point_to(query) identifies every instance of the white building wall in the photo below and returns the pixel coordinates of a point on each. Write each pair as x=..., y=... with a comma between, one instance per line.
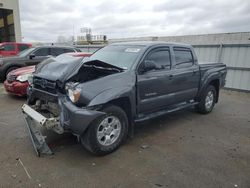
x=14, y=5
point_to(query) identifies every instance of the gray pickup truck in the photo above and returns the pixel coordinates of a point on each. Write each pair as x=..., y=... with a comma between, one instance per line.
x=99, y=99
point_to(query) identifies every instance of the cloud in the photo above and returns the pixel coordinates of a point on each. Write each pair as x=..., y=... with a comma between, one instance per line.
x=45, y=20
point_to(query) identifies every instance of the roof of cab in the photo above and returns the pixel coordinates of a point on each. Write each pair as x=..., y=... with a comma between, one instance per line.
x=152, y=43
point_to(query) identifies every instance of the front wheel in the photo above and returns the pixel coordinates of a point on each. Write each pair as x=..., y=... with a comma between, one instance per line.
x=107, y=133
x=207, y=101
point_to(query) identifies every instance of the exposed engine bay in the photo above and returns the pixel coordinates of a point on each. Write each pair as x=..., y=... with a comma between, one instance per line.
x=93, y=70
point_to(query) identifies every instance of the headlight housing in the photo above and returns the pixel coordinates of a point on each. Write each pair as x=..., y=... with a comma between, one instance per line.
x=30, y=79
x=73, y=91
x=74, y=94
x=23, y=78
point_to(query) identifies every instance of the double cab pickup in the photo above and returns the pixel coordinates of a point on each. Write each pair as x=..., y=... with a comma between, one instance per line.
x=99, y=99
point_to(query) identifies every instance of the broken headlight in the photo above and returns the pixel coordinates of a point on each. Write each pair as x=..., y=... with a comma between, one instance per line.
x=73, y=92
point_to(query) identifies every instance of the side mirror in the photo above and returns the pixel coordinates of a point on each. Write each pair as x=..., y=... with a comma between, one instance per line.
x=149, y=65
x=1, y=47
x=31, y=56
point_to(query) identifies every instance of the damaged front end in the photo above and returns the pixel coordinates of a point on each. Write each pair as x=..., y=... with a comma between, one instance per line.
x=63, y=103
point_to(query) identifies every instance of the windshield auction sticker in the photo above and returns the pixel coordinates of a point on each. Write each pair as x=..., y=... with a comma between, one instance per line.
x=132, y=50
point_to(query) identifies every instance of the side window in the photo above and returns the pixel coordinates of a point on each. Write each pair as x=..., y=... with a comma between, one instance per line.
x=68, y=50
x=183, y=58
x=161, y=58
x=57, y=51
x=78, y=50
x=9, y=47
x=42, y=52
x=22, y=47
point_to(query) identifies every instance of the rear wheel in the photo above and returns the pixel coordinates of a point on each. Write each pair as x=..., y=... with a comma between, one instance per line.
x=107, y=133
x=207, y=101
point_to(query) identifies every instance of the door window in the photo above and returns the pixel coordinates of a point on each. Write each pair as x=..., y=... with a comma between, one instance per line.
x=68, y=50
x=161, y=58
x=42, y=52
x=183, y=58
x=9, y=47
x=57, y=51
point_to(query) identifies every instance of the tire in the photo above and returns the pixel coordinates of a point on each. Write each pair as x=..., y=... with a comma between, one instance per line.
x=110, y=137
x=9, y=70
x=207, y=101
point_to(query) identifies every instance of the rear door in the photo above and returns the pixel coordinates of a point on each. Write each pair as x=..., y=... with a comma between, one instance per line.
x=154, y=87
x=186, y=75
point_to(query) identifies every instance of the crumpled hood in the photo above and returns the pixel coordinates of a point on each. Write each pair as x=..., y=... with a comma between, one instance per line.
x=56, y=69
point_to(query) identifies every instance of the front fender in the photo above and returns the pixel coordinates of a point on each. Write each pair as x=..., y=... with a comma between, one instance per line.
x=111, y=94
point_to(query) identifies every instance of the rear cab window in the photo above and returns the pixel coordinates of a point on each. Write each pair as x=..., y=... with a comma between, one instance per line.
x=183, y=57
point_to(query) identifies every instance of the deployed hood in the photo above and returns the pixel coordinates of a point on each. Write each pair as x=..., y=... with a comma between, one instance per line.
x=56, y=68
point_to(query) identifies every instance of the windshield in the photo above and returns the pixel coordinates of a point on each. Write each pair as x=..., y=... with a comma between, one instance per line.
x=26, y=52
x=121, y=56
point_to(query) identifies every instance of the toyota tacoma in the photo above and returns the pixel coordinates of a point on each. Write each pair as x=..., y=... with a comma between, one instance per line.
x=99, y=99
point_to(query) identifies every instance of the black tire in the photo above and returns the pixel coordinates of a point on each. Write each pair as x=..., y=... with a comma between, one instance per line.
x=201, y=107
x=9, y=70
x=90, y=140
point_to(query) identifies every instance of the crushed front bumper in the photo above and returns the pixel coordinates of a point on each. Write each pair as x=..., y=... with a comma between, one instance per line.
x=35, y=122
x=72, y=118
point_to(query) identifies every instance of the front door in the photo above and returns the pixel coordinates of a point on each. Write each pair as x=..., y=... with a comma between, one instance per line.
x=154, y=87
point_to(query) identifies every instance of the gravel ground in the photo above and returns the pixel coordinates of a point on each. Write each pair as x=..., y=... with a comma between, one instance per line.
x=182, y=149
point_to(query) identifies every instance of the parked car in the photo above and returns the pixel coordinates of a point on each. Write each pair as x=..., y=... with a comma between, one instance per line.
x=12, y=48
x=17, y=80
x=100, y=99
x=31, y=56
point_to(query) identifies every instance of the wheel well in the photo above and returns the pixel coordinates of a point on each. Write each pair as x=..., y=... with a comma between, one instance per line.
x=8, y=68
x=216, y=84
x=125, y=104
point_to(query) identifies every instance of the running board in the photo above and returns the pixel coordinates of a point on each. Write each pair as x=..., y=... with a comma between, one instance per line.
x=145, y=117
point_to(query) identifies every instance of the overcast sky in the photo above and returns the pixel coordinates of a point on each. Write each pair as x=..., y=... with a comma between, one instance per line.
x=45, y=20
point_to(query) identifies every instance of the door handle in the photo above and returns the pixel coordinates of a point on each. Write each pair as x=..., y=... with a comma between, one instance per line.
x=194, y=71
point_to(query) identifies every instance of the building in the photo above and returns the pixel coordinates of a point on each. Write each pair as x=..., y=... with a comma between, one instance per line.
x=10, y=27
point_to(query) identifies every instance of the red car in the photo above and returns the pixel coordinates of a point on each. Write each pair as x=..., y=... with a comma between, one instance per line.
x=12, y=48
x=17, y=80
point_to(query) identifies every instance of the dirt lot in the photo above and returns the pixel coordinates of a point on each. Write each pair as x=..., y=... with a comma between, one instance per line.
x=183, y=149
